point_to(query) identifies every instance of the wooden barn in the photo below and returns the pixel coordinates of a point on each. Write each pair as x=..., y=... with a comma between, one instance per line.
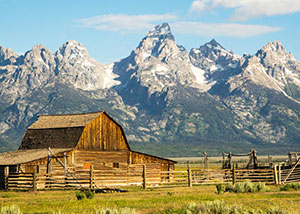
x=74, y=151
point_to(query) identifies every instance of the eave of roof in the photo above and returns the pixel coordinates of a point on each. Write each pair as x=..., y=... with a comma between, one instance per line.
x=154, y=156
x=25, y=156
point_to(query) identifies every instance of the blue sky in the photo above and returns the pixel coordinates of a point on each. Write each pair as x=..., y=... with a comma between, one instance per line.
x=110, y=30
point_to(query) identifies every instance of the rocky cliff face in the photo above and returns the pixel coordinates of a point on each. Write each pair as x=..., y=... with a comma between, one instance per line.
x=208, y=99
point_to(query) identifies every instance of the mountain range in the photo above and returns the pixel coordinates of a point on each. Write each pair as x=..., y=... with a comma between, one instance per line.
x=170, y=101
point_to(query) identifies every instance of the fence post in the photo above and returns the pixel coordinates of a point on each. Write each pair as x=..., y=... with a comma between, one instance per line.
x=6, y=173
x=230, y=160
x=34, y=185
x=189, y=176
x=223, y=163
x=279, y=174
x=144, y=177
x=275, y=174
x=270, y=160
x=290, y=159
x=91, y=176
x=233, y=175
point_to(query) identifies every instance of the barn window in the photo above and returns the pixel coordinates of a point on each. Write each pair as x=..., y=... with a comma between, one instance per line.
x=87, y=165
x=116, y=165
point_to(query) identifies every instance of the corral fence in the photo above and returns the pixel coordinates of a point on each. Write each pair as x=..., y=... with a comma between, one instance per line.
x=91, y=178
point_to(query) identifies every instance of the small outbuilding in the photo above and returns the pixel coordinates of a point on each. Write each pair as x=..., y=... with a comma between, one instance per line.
x=63, y=150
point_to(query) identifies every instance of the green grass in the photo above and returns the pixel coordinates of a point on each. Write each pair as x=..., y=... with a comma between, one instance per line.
x=291, y=186
x=148, y=201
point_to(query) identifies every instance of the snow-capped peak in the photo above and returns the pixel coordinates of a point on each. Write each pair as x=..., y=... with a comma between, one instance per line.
x=162, y=31
x=274, y=46
x=72, y=50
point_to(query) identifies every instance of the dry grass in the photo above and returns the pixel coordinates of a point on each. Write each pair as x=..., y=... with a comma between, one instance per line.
x=146, y=201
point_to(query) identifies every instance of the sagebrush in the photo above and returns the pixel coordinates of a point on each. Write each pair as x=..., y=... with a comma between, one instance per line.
x=246, y=187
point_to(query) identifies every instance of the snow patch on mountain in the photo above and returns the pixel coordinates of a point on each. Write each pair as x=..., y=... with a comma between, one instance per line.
x=109, y=77
x=199, y=74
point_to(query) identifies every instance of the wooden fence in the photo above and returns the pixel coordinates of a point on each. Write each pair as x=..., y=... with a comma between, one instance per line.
x=90, y=178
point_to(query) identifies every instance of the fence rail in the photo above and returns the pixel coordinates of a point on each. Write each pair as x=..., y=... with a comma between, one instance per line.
x=145, y=178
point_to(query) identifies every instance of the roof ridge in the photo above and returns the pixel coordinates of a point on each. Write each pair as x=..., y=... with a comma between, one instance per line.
x=46, y=115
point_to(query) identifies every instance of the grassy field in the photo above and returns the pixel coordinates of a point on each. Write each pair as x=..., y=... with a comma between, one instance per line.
x=147, y=201
x=158, y=200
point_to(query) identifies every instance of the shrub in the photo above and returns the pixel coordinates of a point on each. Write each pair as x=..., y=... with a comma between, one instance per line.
x=80, y=195
x=229, y=187
x=84, y=194
x=125, y=210
x=219, y=207
x=13, y=209
x=246, y=187
x=277, y=210
x=89, y=194
x=220, y=188
x=170, y=193
x=291, y=186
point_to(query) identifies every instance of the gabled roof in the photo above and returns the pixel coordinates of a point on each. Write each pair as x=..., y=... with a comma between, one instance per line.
x=60, y=131
x=64, y=121
x=25, y=156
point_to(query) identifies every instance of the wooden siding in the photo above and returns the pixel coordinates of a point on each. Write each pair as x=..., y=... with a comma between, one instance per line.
x=101, y=160
x=102, y=134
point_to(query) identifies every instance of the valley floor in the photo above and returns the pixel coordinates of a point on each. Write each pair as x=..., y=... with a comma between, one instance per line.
x=147, y=201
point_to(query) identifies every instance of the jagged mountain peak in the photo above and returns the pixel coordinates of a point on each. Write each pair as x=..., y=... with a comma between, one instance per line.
x=39, y=54
x=72, y=50
x=159, y=43
x=212, y=57
x=73, y=44
x=275, y=46
x=274, y=53
x=214, y=44
x=7, y=56
x=6, y=51
x=162, y=31
x=38, y=47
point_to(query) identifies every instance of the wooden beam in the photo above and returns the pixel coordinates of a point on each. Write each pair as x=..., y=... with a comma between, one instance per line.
x=233, y=175
x=6, y=173
x=189, y=176
x=91, y=177
x=144, y=177
x=34, y=175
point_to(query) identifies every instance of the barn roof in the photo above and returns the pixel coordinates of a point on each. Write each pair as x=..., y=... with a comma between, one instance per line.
x=64, y=121
x=25, y=156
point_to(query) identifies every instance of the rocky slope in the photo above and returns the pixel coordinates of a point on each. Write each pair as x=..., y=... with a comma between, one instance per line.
x=170, y=101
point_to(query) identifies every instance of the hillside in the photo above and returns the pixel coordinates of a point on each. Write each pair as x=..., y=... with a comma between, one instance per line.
x=170, y=101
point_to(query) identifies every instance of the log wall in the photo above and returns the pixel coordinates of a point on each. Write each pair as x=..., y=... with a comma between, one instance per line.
x=102, y=134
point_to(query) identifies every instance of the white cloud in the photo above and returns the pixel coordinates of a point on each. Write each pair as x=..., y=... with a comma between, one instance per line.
x=139, y=23
x=221, y=29
x=247, y=9
x=125, y=23
x=200, y=5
